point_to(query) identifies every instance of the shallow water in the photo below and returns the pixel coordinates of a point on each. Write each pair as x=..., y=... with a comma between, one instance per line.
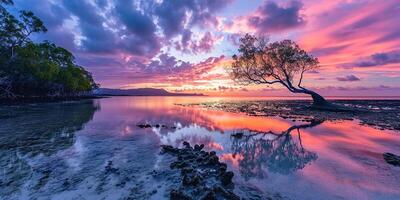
x=94, y=150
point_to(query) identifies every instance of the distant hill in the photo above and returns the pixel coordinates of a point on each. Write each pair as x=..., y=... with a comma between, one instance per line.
x=140, y=92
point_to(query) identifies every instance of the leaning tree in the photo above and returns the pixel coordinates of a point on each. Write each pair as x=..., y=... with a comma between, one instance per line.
x=283, y=62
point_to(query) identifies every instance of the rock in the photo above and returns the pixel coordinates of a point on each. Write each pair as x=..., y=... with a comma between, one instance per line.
x=213, y=160
x=169, y=148
x=150, y=126
x=209, y=196
x=187, y=170
x=178, y=195
x=110, y=169
x=201, y=172
x=191, y=180
x=186, y=145
x=223, y=167
x=144, y=125
x=226, y=178
x=189, y=156
x=227, y=194
x=392, y=159
x=178, y=164
x=198, y=147
x=237, y=135
x=199, y=159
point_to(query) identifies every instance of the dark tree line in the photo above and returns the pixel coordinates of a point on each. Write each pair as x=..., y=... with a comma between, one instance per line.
x=29, y=69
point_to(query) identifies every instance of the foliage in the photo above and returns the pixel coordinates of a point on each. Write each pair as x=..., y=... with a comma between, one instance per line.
x=282, y=62
x=28, y=69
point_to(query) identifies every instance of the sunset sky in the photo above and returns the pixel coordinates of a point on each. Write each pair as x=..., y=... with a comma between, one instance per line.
x=185, y=45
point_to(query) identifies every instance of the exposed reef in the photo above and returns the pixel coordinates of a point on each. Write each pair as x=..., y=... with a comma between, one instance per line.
x=380, y=114
x=203, y=176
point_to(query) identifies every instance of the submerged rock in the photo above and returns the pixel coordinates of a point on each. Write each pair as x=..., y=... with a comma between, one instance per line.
x=392, y=159
x=109, y=169
x=203, y=176
x=169, y=149
x=178, y=195
x=198, y=147
x=237, y=135
x=226, y=178
x=210, y=196
x=146, y=125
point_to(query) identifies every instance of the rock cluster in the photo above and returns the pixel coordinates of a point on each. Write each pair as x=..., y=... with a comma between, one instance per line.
x=110, y=169
x=392, y=159
x=374, y=113
x=146, y=125
x=203, y=176
x=237, y=135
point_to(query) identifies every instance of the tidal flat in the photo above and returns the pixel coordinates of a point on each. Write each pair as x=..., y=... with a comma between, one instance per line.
x=277, y=149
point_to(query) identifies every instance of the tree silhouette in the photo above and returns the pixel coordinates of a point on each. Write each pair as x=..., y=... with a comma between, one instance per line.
x=284, y=62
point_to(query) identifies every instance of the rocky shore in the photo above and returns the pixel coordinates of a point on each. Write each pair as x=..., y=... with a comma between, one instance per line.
x=380, y=114
x=202, y=175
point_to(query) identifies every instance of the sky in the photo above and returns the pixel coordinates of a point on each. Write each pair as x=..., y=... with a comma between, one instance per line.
x=187, y=45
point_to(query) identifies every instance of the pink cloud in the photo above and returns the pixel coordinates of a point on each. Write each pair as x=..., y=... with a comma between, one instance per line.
x=270, y=17
x=348, y=31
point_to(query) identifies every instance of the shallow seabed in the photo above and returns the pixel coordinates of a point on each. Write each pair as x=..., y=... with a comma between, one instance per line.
x=94, y=149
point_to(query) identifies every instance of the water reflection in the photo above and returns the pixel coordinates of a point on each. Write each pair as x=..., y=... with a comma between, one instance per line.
x=37, y=131
x=280, y=153
x=63, y=151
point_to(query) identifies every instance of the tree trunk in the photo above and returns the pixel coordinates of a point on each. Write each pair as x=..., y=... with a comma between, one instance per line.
x=318, y=101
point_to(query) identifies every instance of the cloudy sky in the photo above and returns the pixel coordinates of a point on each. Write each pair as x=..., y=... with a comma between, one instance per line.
x=186, y=45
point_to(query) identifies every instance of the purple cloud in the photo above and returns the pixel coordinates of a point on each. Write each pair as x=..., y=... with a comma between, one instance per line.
x=379, y=59
x=273, y=17
x=348, y=78
x=189, y=45
x=126, y=26
x=323, y=51
x=173, y=15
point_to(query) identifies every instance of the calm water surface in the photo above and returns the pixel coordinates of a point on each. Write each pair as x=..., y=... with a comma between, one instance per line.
x=63, y=151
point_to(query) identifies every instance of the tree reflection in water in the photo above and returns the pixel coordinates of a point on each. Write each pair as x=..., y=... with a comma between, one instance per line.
x=37, y=130
x=279, y=153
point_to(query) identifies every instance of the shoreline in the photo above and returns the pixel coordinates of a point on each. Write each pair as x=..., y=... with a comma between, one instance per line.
x=173, y=95
x=30, y=100
x=379, y=114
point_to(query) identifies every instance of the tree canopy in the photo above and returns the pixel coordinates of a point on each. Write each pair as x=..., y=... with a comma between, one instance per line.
x=281, y=62
x=29, y=69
